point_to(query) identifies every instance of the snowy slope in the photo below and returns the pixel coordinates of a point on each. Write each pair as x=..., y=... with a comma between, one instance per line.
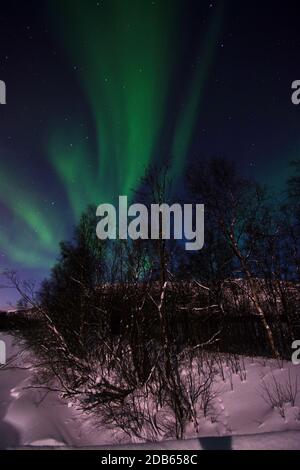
x=288, y=440
x=240, y=418
x=35, y=417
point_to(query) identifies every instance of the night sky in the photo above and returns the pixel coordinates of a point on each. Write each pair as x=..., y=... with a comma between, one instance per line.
x=96, y=90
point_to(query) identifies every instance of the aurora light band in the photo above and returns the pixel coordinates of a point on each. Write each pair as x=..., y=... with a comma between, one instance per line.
x=128, y=55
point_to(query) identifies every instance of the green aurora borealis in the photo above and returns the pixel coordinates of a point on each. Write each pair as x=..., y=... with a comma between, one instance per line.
x=128, y=55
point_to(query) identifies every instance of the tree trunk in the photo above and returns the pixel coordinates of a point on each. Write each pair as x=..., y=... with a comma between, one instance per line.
x=254, y=297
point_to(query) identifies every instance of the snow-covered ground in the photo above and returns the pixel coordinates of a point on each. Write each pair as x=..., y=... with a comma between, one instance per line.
x=36, y=417
x=240, y=416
